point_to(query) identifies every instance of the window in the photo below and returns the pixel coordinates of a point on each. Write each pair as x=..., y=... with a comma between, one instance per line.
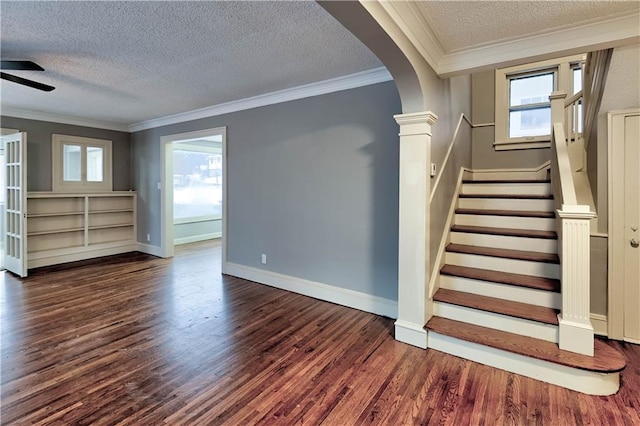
x=523, y=110
x=529, y=105
x=197, y=182
x=81, y=164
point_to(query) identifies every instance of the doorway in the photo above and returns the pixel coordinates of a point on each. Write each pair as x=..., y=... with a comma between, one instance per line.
x=3, y=132
x=624, y=225
x=194, y=182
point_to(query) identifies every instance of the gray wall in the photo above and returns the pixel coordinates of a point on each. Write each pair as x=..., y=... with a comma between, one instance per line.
x=484, y=156
x=39, y=150
x=312, y=183
x=455, y=99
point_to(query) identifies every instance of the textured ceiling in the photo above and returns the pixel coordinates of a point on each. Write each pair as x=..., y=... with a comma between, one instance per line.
x=126, y=62
x=462, y=25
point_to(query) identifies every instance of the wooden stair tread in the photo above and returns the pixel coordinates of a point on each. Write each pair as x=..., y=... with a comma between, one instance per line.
x=605, y=360
x=498, y=306
x=509, y=232
x=507, y=181
x=517, y=213
x=510, y=196
x=520, y=280
x=504, y=253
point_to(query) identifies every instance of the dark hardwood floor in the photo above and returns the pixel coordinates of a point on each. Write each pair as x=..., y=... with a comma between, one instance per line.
x=137, y=340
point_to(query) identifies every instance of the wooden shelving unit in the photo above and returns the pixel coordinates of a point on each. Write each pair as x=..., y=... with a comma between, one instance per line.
x=64, y=227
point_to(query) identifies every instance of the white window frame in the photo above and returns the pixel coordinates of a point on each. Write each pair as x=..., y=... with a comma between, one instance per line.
x=82, y=186
x=563, y=80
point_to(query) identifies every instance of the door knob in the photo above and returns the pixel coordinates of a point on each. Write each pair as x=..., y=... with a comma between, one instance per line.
x=634, y=243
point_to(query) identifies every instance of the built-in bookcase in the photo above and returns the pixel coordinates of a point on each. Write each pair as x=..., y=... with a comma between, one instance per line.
x=63, y=227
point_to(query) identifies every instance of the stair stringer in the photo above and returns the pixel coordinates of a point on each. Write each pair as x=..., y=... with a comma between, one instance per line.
x=446, y=237
x=589, y=382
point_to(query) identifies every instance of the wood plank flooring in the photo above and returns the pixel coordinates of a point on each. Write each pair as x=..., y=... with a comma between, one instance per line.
x=137, y=340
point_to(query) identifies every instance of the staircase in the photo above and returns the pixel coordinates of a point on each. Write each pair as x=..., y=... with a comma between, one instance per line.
x=499, y=292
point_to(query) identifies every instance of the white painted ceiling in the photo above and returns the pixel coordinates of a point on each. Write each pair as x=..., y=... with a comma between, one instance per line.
x=126, y=62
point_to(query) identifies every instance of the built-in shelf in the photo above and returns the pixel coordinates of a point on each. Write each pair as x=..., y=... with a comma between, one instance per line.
x=55, y=231
x=68, y=227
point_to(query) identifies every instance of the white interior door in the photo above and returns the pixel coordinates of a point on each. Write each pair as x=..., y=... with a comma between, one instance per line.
x=632, y=229
x=15, y=237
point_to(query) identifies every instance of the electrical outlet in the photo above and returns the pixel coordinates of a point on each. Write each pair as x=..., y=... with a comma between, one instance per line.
x=264, y=259
x=159, y=185
x=433, y=169
x=148, y=237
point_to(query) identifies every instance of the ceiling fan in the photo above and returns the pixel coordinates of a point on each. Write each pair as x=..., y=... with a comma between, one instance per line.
x=23, y=66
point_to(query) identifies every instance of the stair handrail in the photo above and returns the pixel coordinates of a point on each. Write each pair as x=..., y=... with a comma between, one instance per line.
x=561, y=172
x=594, y=79
x=573, y=228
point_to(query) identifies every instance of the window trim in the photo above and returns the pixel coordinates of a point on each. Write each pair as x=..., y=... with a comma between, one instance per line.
x=82, y=186
x=562, y=68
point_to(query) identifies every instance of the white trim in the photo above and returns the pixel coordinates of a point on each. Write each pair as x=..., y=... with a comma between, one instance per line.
x=63, y=119
x=507, y=323
x=351, y=81
x=592, y=383
x=599, y=323
x=166, y=183
x=196, y=219
x=341, y=296
x=613, y=32
x=80, y=255
x=446, y=238
x=152, y=250
x=509, y=172
x=615, y=203
x=411, y=334
x=83, y=185
x=196, y=238
x=483, y=125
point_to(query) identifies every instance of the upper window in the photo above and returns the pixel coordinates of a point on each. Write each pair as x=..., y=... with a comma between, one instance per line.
x=523, y=109
x=529, y=105
x=81, y=164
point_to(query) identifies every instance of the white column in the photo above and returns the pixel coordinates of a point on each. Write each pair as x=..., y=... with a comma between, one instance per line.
x=415, y=157
x=576, y=331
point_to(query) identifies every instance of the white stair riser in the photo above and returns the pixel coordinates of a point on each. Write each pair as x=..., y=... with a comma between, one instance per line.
x=514, y=293
x=540, y=245
x=506, y=204
x=515, y=266
x=532, y=223
x=507, y=188
x=495, y=321
x=508, y=175
x=571, y=378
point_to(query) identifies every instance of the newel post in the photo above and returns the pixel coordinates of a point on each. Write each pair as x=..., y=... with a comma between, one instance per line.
x=576, y=331
x=415, y=157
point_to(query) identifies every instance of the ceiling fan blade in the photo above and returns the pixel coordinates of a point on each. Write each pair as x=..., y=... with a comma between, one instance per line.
x=20, y=65
x=24, y=81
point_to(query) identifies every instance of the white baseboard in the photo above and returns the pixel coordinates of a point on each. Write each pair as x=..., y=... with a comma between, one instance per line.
x=341, y=296
x=599, y=323
x=152, y=250
x=196, y=238
x=411, y=334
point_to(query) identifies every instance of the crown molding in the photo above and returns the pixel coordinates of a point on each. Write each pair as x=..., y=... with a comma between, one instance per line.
x=410, y=18
x=63, y=119
x=614, y=32
x=351, y=81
